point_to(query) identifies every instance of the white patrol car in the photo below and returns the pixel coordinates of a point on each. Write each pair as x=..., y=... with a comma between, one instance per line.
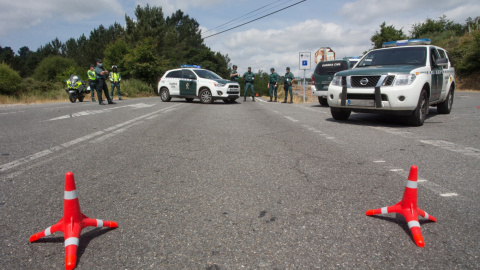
x=192, y=82
x=404, y=77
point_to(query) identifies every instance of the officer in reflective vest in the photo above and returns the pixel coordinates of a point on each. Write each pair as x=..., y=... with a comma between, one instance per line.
x=92, y=77
x=249, y=77
x=115, y=79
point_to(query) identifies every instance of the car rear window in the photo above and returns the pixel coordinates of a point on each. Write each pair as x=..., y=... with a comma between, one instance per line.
x=331, y=67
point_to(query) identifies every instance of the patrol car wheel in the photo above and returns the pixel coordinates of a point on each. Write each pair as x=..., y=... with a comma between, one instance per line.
x=323, y=101
x=418, y=116
x=189, y=99
x=165, y=95
x=340, y=114
x=206, y=96
x=446, y=106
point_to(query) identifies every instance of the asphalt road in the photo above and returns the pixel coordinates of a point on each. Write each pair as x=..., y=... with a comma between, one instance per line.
x=238, y=186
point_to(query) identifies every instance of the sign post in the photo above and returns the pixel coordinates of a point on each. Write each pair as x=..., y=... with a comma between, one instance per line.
x=304, y=63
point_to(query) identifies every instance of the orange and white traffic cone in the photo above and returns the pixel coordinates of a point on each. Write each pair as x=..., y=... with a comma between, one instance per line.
x=408, y=208
x=72, y=223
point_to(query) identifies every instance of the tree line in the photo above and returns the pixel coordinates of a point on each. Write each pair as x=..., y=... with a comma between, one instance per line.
x=462, y=41
x=144, y=49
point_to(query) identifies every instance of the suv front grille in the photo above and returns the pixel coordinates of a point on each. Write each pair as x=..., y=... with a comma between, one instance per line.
x=364, y=81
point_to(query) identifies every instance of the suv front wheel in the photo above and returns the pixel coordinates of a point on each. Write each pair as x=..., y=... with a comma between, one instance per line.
x=340, y=114
x=420, y=114
x=206, y=96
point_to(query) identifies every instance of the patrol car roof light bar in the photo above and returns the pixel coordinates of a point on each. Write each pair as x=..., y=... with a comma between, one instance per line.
x=418, y=41
x=191, y=66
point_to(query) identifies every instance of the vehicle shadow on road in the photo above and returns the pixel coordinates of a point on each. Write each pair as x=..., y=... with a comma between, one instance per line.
x=386, y=120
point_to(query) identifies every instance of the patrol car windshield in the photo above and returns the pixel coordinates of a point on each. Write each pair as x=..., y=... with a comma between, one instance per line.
x=206, y=74
x=415, y=56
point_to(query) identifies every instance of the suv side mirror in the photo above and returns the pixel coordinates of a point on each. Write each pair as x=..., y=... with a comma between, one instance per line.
x=443, y=62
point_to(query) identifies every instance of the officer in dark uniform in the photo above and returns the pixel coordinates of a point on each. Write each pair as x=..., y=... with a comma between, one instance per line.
x=249, y=77
x=272, y=84
x=289, y=78
x=234, y=76
x=101, y=84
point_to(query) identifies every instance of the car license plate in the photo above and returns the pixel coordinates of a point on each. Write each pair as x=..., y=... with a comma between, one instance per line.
x=361, y=103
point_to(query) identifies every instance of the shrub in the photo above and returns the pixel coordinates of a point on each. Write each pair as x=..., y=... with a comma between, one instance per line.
x=52, y=67
x=9, y=80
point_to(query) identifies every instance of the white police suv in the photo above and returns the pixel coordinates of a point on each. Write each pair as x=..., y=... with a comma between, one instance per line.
x=404, y=78
x=191, y=81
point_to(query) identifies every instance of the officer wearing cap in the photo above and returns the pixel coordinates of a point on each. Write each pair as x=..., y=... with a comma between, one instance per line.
x=234, y=76
x=91, y=81
x=249, y=77
x=272, y=84
x=115, y=79
x=101, y=74
x=289, y=78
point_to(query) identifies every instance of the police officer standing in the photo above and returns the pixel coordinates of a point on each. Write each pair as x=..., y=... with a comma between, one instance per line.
x=249, y=77
x=234, y=76
x=272, y=84
x=101, y=74
x=91, y=81
x=115, y=79
x=289, y=78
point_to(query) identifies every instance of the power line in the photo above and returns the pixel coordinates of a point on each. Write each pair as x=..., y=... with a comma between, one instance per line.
x=250, y=14
x=256, y=19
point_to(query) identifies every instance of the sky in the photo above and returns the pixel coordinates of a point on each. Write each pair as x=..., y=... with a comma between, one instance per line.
x=345, y=26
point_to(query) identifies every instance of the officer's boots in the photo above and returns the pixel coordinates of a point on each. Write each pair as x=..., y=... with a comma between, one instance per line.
x=275, y=99
x=244, y=98
x=285, y=100
x=253, y=99
x=291, y=99
x=270, y=99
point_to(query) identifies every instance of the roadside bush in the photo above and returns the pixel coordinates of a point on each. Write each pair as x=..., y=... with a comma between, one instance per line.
x=136, y=88
x=52, y=67
x=9, y=80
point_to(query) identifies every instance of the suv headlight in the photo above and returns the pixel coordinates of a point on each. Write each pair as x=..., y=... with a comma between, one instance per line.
x=404, y=79
x=220, y=84
x=337, y=80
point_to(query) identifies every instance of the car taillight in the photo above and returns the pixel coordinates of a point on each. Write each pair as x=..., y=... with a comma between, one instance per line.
x=313, y=79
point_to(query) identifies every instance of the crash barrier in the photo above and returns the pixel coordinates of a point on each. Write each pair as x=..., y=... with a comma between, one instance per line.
x=72, y=223
x=408, y=208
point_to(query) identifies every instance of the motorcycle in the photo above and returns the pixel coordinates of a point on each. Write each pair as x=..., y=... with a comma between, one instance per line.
x=76, y=89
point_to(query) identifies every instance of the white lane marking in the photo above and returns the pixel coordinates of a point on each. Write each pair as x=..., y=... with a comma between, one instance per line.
x=11, y=112
x=115, y=132
x=468, y=151
x=21, y=161
x=379, y=161
x=435, y=188
x=92, y=112
x=394, y=131
x=291, y=118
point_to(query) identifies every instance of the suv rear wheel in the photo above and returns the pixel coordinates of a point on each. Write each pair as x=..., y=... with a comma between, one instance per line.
x=165, y=95
x=323, y=101
x=446, y=106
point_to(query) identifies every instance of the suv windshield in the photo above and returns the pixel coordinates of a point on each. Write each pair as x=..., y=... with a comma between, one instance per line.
x=331, y=67
x=415, y=56
x=206, y=74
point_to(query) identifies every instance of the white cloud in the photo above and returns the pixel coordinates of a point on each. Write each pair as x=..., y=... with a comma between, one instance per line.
x=19, y=15
x=170, y=6
x=279, y=48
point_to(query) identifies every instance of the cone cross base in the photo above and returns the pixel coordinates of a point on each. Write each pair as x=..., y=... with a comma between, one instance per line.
x=408, y=208
x=72, y=223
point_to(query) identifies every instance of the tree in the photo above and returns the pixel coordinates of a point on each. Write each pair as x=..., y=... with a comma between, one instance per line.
x=144, y=63
x=149, y=23
x=430, y=28
x=387, y=33
x=115, y=55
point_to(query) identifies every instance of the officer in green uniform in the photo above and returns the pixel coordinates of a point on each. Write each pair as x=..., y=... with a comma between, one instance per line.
x=101, y=83
x=234, y=76
x=92, y=77
x=115, y=79
x=289, y=78
x=272, y=84
x=249, y=77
